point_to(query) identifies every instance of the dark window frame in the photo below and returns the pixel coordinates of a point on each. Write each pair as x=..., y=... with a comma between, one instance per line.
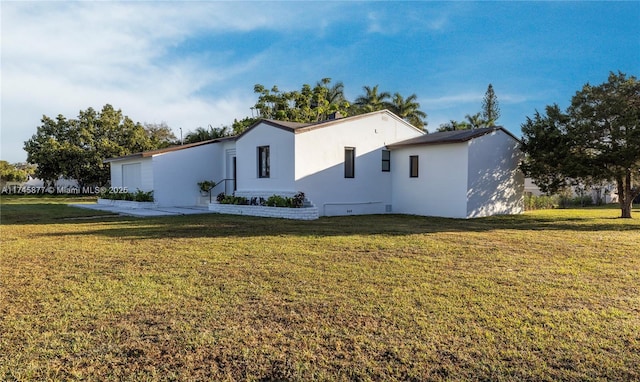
x=349, y=162
x=386, y=161
x=264, y=166
x=413, y=166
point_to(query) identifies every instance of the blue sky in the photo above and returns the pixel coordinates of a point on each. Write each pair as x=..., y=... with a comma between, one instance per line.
x=192, y=64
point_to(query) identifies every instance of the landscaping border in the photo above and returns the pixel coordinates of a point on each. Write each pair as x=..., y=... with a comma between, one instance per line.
x=304, y=213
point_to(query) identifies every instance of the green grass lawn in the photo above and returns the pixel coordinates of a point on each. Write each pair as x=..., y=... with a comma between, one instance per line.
x=544, y=296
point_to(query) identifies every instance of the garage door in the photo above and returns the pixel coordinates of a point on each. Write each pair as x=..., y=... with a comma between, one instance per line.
x=131, y=176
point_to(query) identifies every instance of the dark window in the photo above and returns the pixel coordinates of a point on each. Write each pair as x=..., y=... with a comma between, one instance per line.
x=413, y=166
x=263, y=162
x=386, y=160
x=349, y=162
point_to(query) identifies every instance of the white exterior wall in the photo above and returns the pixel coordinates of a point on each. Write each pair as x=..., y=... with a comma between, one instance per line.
x=495, y=185
x=146, y=173
x=319, y=164
x=281, y=153
x=176, y=174
x=441, y=186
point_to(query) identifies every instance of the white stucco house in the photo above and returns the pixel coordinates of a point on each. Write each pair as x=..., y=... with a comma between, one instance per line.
x=366, y=164
x=172, y=173
x=462, y=174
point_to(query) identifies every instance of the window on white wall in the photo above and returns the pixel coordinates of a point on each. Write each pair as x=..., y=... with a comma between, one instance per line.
x=132, y=176
x=349, y=162
x=413, y=166
x=386, y=160
x=263, y=162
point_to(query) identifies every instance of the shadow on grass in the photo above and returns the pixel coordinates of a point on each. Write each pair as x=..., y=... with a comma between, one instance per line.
x=45, y=213
x=217, y=225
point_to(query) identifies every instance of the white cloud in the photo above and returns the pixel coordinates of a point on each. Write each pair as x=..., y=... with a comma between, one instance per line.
x=59, y=58
x=62, y=57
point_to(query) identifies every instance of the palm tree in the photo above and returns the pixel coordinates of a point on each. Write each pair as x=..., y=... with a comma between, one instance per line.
x=372, y=100
x=409, y=110
x=327, y=100
x=336, y=93
x=476, y=121
x=454, y=125
x=202, y=134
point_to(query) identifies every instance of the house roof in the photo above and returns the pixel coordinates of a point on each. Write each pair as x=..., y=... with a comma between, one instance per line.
x=145, y=154
x=295, y=127
x=446, y=137
x=298, y=127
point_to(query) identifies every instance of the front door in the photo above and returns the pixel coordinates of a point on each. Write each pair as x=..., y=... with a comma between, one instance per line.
x=230, y=184
x=235, y=182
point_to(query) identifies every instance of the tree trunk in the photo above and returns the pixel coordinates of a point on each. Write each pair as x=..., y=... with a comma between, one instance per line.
x=626, y=209
x=626, y=195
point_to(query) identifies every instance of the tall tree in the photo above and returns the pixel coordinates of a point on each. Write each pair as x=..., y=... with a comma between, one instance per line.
x=547, y=145
x=327, y=100
x=476, y=121
x=44, y=148
x=596, y=139
x=335, y=93
x=160, y=134
x=490, y=107
x=272, y=103
x=409, y=110
x=373, y=100
x=77, y=148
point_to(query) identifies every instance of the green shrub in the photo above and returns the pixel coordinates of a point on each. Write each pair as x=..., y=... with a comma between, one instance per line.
x=141, y=196
x=297, y=201
x=277, y=201
x=542, y=202
x=576, y=201
x=231, y=199
x=206, y=185
x=138, y=196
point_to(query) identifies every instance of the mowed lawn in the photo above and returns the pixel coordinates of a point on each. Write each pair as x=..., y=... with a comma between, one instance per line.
x=547, y=295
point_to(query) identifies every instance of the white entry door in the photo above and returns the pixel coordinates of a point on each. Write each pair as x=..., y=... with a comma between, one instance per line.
x=230, y=184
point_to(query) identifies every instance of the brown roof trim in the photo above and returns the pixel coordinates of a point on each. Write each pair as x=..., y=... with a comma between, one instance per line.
x=284, y=125
x=299, y=127
x=146, y=154
x=330, y=122
x=448, y=137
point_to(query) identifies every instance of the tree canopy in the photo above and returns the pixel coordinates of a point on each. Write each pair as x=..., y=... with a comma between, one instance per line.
x=318, y=103
x=202, y=134
x=18, y=172
x=76, y=148
x=315, y=104
x=305, y=105
x=597, y=139
x=160, y=134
